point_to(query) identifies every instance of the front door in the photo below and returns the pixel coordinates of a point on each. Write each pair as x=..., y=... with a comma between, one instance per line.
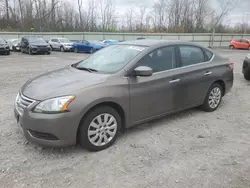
x=152, y=96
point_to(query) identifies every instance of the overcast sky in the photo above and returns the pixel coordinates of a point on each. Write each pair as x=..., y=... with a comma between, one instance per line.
x=237, y=15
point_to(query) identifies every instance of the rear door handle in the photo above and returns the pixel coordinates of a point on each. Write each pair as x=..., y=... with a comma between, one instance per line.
x=207, y=73
x=174, y=81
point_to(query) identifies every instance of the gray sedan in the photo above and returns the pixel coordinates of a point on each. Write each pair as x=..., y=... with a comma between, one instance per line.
x=120, y=86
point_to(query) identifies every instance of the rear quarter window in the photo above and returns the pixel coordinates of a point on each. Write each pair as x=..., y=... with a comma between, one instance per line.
x=208, y=54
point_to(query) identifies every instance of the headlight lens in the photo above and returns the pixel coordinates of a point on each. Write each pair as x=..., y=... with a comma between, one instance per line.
x=54, y=105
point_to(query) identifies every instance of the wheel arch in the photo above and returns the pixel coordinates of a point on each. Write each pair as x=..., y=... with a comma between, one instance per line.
x=222, y=84
x=111, y=104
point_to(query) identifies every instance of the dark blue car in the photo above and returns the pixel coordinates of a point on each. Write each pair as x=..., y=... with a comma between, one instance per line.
x=88, y=46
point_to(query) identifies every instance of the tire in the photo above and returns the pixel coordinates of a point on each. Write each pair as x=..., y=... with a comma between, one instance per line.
x=76, y=50
x=208, y=102
x=246, y=73
x=62, y=49
x=48, y=53
x=8, y=53
x=232, y=47
x=30, y=52
x=51, y=48
x=91, y=50
x=85, y=128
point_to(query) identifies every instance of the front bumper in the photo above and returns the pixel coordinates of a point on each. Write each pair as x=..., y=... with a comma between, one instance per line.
x=68, y=48
x=4, y=50
x=52, y=130
x=40, y=50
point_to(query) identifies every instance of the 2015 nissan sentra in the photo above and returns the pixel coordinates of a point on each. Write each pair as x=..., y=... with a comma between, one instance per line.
x=117, y=87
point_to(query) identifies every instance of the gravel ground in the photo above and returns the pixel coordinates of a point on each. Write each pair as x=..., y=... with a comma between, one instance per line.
x=189, y=149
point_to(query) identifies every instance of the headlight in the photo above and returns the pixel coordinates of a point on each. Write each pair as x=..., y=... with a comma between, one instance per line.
x=54, y=105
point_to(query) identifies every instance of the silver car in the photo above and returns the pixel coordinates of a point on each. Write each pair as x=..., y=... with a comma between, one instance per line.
x=120, y=86
x=62, y=44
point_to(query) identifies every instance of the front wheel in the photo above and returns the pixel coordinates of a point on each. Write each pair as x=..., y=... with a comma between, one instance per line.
x=62, y=49
x=99, y=128
x=92, y=50
x=213, y=98
x=30, y=52
x=76, y=50
x=232, y=47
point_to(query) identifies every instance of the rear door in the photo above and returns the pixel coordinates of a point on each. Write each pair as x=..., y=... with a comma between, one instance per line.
x=194, y=74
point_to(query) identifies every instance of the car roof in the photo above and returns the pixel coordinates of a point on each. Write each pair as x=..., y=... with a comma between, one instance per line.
x=155, y=42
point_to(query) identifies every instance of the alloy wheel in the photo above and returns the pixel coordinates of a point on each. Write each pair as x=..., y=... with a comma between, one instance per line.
x=214, y=97
x=102, y=129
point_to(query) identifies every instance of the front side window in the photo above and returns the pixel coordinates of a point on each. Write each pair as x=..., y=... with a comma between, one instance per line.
x=160, y=60
x=111, y=59
x=191, y=55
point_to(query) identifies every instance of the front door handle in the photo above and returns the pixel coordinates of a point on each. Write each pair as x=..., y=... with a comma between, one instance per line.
x=174, y=81
x=207, y=73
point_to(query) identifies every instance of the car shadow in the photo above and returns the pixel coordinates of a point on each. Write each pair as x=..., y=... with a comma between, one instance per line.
x=123, y=136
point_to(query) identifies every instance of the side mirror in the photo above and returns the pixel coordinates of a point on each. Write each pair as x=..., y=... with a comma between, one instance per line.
x=143, y=71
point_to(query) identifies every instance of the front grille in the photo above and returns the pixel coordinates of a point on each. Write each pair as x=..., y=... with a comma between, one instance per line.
x=44, y=136
x=23, y=102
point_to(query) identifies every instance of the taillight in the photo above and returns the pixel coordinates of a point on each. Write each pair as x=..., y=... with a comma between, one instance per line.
x=231, y=66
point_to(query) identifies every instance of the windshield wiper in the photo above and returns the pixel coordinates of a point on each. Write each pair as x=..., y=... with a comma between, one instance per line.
x=87, y=69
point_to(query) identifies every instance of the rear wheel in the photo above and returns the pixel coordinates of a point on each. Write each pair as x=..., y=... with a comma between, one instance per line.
x=246, y=73
x=213, y=98
x=99, y=128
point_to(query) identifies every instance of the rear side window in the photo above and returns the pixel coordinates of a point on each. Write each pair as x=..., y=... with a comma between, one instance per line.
x=208, y=54
x=191, y=55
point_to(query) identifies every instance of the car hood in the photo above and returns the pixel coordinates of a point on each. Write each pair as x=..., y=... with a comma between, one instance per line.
x=64, y=81
x=39, y=44
x=67, y=44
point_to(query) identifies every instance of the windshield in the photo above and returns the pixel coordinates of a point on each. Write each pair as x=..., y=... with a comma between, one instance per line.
x=16, y=41
x=37, y=40
x=65, y=41
x=2, y=41
x=111, y=59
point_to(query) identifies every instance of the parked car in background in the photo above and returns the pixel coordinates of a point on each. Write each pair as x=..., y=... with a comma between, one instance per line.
x=89, y=46
x=140, y=38
x=34, y=45
x=10, y=42
x=240, y=44
x=246, y=67
x=118, y=87
x=110, y=42
x=4, y=47
x=62, y=44
x=16, y=45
